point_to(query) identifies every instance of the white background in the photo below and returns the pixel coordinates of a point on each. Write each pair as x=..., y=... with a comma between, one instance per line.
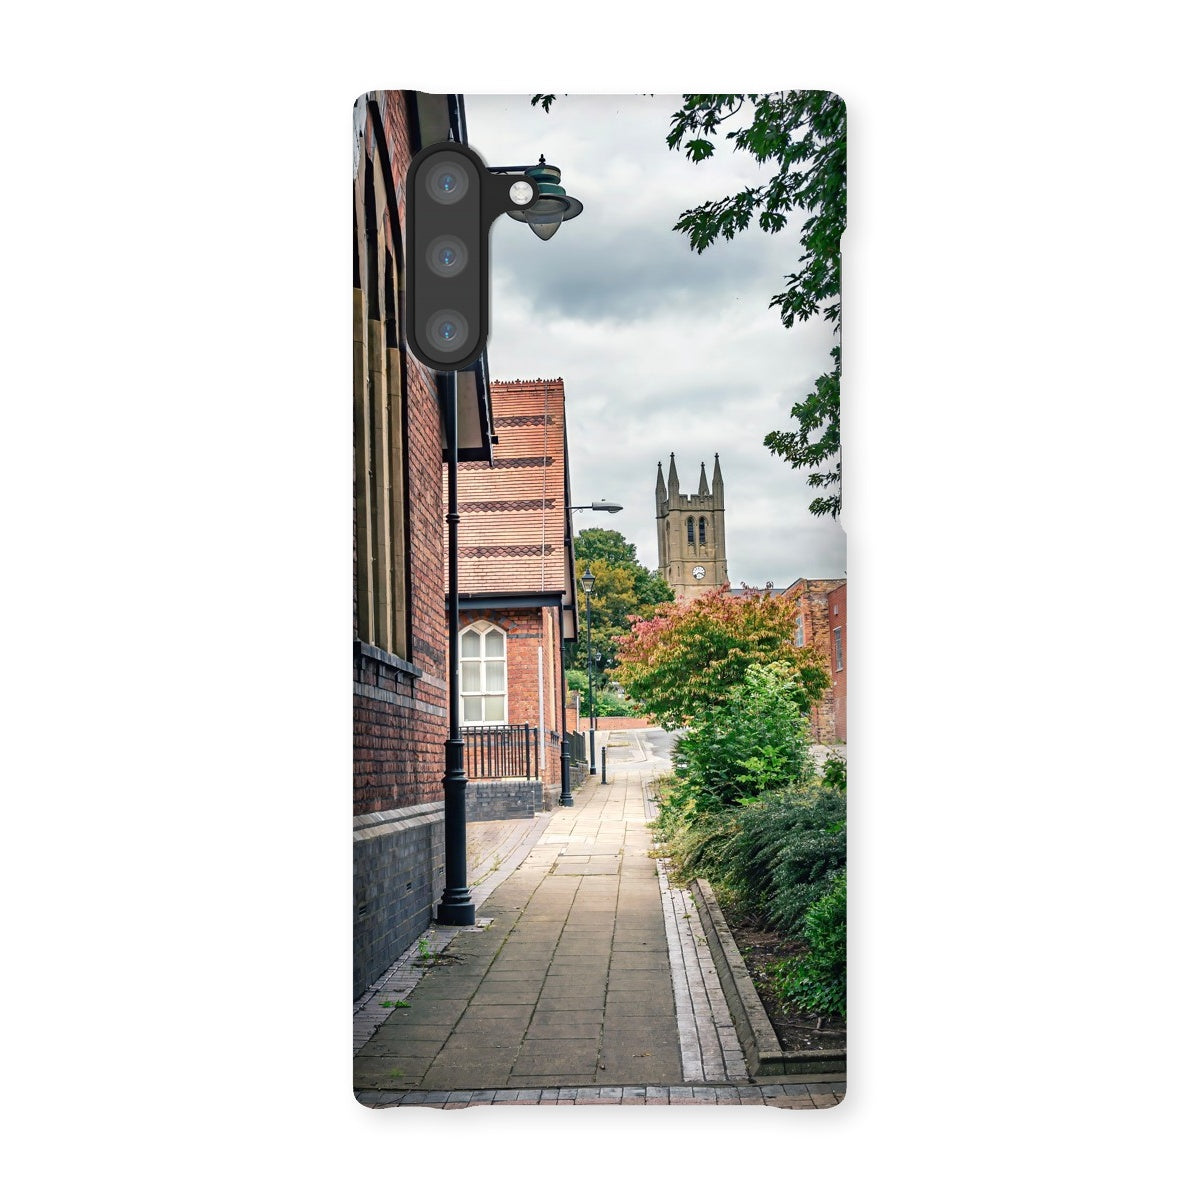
x=176, y=473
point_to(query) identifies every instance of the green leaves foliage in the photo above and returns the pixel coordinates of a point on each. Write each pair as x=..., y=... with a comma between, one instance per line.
x=686, y=659
x=755, y=742
x=779, y=854
x=816, y=981
x=624, y=591
x=803, y=134
x=833, y=773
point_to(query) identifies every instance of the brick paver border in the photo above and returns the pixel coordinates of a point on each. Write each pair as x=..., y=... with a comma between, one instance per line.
x=813, y=1094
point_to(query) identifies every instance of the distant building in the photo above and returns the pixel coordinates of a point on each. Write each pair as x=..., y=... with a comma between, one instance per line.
x=691, y=533
x=516, y=584
x=821, y=622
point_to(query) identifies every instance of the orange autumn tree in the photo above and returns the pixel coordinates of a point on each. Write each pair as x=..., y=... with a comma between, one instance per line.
x=685, y=659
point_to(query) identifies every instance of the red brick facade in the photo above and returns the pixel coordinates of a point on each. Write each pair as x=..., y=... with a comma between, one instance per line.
x=400, y=718
x=399, y=672
x=516, y=565
x=814, y=626
x=838, y=663
x=533, y=698
x=609, y=723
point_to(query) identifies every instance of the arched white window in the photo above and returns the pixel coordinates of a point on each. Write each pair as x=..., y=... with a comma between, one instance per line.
x=484, y=673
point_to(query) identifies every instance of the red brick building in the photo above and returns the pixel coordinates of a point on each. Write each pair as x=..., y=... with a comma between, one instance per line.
x=516, y=576
x=821, y=622
x=400, y=718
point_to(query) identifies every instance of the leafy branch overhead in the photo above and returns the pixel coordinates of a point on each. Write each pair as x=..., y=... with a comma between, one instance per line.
x=802, y=134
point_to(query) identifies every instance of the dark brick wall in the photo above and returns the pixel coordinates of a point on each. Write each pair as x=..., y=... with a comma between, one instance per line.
x=399, y=874
x=503, y=799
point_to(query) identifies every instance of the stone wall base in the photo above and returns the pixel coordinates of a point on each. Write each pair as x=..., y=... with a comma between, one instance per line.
x=399, y=876
x=504, y=799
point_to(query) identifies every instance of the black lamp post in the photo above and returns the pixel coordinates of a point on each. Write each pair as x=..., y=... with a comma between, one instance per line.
x=456, y=907
x=588, y=580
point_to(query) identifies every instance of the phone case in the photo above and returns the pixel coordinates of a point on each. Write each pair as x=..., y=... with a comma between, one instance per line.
x=599, y=609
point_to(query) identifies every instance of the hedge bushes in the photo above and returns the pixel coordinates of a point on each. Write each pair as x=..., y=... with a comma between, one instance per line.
x=816, y=981
x=779, y=855
x=746, y=810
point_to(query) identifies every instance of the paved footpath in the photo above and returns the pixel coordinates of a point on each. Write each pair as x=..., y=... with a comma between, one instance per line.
x=585, y=980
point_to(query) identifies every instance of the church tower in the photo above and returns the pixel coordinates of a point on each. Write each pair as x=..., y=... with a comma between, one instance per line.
x=691, y=533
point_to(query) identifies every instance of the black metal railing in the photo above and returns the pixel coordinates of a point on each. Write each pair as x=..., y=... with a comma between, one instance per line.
x=577, y=748
x=501, y=751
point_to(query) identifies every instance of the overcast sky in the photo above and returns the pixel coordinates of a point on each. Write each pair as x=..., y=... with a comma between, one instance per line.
x=660, y=349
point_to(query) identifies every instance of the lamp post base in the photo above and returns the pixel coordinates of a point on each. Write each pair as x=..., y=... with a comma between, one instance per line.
x=456, y=910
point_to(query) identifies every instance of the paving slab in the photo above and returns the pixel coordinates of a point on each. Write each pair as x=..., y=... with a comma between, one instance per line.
x=586, y=979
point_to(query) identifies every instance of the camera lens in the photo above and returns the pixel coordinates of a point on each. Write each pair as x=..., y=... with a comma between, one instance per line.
x=447, y=181
x=446, y=332
x=446, y=256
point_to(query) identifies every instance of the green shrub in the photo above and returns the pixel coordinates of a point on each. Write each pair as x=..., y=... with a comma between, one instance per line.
x=755, y=741
x=608, y=702
x=779, y=854
x=816, y=981
x=833, y=774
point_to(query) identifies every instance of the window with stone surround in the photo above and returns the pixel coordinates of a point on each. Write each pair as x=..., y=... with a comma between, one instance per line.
x=483, y=664
x=703, y=532
x=839, y=661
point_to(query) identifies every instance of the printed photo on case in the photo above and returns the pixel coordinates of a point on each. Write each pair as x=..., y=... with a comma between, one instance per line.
x=599, y=606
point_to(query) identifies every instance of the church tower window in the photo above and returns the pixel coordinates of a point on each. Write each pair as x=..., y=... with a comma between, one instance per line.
x=703, y=532
x=691, y=531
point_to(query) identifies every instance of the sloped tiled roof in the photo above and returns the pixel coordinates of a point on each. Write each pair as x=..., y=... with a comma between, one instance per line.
x=514, y=512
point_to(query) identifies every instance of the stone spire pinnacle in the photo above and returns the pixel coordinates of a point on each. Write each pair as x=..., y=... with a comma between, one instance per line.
x=673, y=478
x=718, y=484
x=660, y=488
x=704, y=482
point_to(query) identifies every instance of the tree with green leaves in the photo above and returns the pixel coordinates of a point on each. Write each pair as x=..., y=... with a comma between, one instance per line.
x=623, y=590
x=803, y=136
x=687, y=659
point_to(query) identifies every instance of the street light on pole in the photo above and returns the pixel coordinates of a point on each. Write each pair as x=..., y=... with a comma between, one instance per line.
x=552, y=207
x=598, y=505
x=588, y=580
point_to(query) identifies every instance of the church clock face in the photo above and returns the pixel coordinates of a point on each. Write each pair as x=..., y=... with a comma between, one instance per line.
x=697, y=572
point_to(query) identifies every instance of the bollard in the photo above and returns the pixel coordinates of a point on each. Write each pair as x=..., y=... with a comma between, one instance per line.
x=603, y=764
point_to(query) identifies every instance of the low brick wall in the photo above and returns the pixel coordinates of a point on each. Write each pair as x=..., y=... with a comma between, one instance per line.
x=503, y=799
x=399, y=876
x=585, y=723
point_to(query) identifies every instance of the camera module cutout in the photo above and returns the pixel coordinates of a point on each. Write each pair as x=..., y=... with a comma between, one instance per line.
x=452, y=200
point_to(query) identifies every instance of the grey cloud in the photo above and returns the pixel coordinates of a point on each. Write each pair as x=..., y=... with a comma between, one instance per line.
x=660, y=349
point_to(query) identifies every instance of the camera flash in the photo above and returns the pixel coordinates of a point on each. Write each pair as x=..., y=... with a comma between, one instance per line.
x=521, y=192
